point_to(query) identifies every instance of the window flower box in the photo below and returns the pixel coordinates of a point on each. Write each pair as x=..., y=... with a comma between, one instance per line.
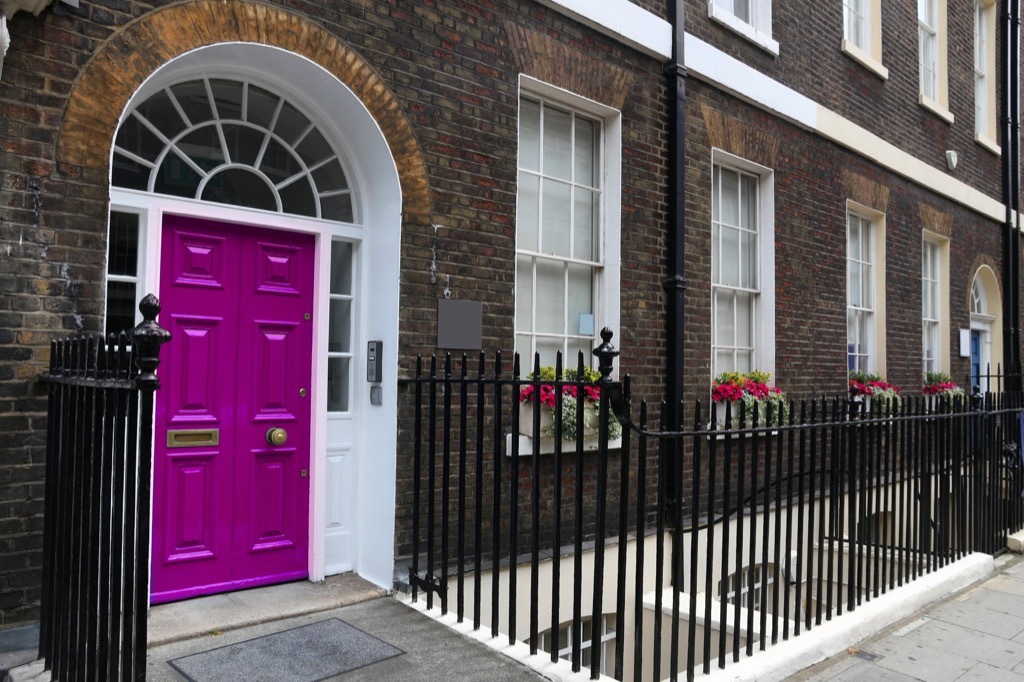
x=875, y=392
x=555, y=413
x=751, y=395
x=939, y=386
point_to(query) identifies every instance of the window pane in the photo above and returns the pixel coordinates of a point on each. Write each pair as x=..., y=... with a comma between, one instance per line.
x=557, y=143
x=581, y=296
x=744, y=320
x=524, y=294
x=586, y=153
x=120, y=307
x=730, y=198
x=128, y=173
x=290, y=123
x=725, y=326
x=853, y=284
x=337, y=384
x=262, y=105
x=748, y=250
x=716, y=253
x=314, y=148
x=730, y=257
x=341, y=268
x=159, y=111
x=744, y=361
x=240, y=187
x=123, y=247
x=529, y=135
x=748, y=210
x=136, y=138
x=243, y=143
x=278, y=163
x=556, y=220
x=339, y=332
x=330, y=177
x=193, y=100
x=298, y=198
x=867, y=296
x=584, y=244
x=572, y=357
x=528, y=213
x=550, y=297
x=227, y=97
x=203, y=147
x=337, y=207
x=548, y=349
x=176, y=177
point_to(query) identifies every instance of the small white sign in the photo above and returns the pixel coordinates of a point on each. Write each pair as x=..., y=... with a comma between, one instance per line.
x=965, y=343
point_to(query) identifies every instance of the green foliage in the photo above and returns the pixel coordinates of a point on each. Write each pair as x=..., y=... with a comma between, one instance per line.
x=547, y=373
x=932, y=378
x=864, y=377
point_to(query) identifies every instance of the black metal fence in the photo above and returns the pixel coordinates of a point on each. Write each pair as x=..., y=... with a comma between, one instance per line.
x=96, y=533
x=668, y=549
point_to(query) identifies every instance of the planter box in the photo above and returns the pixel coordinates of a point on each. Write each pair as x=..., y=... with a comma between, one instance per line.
x=547, y=443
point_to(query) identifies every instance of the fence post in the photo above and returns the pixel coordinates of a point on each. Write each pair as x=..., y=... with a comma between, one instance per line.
x=147, y=338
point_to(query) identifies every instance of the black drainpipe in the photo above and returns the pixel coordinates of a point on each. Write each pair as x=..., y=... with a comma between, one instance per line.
x=675, y=284
x=1011, y=193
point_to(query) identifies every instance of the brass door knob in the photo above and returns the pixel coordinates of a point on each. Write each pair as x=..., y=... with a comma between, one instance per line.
x=277, y=436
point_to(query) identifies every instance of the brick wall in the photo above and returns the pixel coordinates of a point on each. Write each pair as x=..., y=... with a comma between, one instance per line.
x=811, y=62
x=450, y=68
x=814, y=179
x=442, y=76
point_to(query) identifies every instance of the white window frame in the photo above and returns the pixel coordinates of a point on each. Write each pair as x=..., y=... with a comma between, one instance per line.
x=550, y=638
x=758, y=29
x=935, y=324
x=872, y=312
x=985, y=124
x=932, y=36
x=866, y=48
x=607, y=277
x=763, y=334
x=139, y=278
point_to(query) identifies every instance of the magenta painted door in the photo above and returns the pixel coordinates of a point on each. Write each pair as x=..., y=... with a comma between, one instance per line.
x=231, y=507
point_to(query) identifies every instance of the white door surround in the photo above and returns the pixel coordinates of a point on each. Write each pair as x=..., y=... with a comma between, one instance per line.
x=352, y=506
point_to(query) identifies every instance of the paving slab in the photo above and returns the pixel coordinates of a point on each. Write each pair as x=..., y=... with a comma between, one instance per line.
x=983, y=672
x=972, y=635
x=431, y=651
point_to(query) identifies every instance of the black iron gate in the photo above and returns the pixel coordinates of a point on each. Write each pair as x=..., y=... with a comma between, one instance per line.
x=97, y=528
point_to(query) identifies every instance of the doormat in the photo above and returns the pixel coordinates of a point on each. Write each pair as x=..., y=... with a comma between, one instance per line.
x=303, y=654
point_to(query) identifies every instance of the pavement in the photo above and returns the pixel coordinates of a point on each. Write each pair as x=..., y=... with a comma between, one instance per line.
x=974, y=634
x=429, y=649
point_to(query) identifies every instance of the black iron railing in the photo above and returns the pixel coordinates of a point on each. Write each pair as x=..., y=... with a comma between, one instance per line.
x=96, y=531
x=668, y=549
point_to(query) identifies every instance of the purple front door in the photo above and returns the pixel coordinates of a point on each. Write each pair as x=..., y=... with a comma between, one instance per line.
x=230, y=499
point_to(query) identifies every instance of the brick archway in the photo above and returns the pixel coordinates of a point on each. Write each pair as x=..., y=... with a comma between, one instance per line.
x=120, y=68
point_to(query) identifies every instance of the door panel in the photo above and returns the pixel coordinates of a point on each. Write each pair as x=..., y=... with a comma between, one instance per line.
x=232, y=510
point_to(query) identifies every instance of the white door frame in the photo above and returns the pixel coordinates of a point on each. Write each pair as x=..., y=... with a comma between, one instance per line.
x=370, y=447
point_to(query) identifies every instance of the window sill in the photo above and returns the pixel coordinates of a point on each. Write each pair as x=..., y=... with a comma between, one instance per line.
x=729, y=20
x=988, y=144
x=546, y=445
x=865, y=60
x=936, y=108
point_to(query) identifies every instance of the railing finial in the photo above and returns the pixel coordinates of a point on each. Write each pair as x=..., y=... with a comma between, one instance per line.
x=606, y=354
x=147, y=338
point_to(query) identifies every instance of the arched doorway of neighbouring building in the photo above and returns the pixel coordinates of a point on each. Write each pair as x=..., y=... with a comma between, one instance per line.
x=986, y=334
x=255, y=192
